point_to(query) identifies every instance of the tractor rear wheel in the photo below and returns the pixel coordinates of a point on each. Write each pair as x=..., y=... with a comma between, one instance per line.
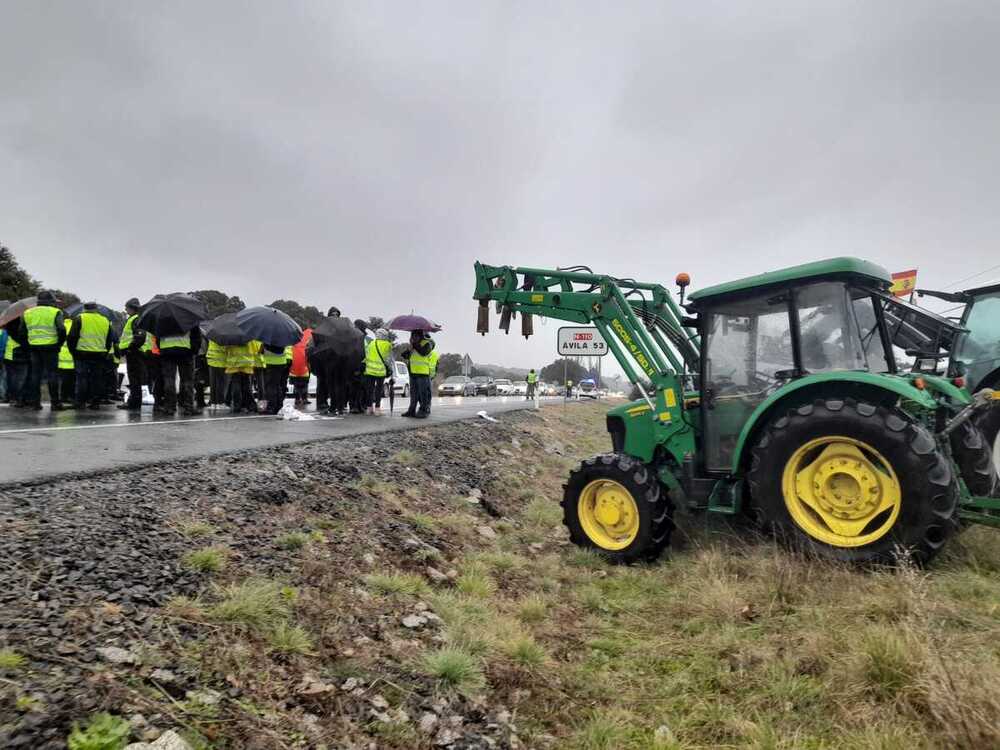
x=853, y=481
x=614, y=504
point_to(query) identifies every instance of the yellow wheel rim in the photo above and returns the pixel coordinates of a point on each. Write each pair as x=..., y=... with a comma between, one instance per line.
x=841, y=491
x=608, y=514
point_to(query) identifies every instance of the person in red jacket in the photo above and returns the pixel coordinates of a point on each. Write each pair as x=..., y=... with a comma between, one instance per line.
x=299, y=370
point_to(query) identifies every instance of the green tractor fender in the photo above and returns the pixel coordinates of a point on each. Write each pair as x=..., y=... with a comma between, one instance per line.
x=824, y=383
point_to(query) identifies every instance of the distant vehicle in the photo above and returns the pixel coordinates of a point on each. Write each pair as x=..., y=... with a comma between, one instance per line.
x=485, y=385
x=402, y=386
x=457, y=385
x=504, y=387
x=588, y=389
x=521, y=388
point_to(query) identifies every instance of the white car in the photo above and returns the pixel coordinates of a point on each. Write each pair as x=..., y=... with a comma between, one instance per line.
x=521, y=388
x=504, y=387
x=402, y=386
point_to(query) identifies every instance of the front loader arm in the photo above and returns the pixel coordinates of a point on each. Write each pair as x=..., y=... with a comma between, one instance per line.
x=659, y=351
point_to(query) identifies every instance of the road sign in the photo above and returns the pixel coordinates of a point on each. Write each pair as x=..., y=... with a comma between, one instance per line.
x=581, y=341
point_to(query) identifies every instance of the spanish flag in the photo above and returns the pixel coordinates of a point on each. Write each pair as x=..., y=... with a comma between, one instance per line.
x=904, y=282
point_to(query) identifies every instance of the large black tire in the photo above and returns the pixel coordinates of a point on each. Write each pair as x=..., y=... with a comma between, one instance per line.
x=974, y=455
x=928, y=505
x=651, y=501
x=988, y=423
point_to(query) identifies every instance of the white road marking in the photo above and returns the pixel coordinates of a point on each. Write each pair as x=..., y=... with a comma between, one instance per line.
x=161, y=424
x=199, y=420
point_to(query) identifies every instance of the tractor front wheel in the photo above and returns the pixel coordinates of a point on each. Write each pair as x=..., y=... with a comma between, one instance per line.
x=988, y=423
x=614, y=504
x=853, y=481
x=974, y=455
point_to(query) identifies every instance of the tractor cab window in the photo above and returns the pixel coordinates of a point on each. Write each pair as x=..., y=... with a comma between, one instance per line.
x=979, y=349
x=748, y=354
x=838, y=329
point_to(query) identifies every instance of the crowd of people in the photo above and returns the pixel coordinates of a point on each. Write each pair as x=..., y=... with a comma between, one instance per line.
x=78, y=359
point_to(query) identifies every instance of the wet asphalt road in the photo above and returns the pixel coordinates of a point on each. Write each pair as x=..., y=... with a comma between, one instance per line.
x=35, y=446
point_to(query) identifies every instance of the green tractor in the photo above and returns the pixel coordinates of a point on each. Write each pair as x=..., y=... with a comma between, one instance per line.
x=776, y=397
x=974, y=354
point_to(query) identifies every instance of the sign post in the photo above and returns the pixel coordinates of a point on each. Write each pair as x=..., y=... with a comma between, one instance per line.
x=579, y=341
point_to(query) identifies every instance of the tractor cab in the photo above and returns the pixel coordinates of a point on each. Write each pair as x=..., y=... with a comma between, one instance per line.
x=761, y=333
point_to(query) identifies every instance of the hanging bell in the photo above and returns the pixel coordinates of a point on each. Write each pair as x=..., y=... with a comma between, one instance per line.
x=505, y=316
x=483, y=320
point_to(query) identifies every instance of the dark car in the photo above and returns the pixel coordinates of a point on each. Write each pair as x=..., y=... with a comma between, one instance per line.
x=485, y=386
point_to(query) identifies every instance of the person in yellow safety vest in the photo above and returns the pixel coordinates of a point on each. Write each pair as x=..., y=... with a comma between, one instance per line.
x=432, y=360
x=43, y=331
x=177, y=363
x=420, y=363
x=15, y=364
x=532, y=384
x=258, y=370
x=239, y=369
x=89, y=339
x=288, y=368
x=274, y=371
x=378, y=365
x=132, y=344
x=215, y=358
x=201, y=373
x=67, y=369
x=111, y=362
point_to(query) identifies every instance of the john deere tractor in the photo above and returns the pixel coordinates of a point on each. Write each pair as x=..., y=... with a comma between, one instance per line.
x=972, y=356
x=776, y=397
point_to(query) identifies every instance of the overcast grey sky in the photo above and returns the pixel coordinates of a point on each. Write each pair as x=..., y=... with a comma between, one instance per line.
x=365, y=154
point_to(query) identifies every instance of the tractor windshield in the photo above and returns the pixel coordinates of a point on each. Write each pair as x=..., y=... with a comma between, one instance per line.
x=979, y=348
x=749, y=353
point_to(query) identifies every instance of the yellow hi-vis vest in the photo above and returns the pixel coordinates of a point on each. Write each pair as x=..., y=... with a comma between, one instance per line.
x=532, y=378
x=420, y=364
x=128, y=333
x=41, y=324
x=272, y=359
x=8, y=353
x=289, y=354
x=433, y=358
x=215, y=355
x=176, y=342
x=65, y=355
x=377, y=355
x=239, y=359
x=94, y=329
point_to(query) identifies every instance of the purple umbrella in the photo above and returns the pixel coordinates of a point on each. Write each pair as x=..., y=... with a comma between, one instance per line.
x=413, y=323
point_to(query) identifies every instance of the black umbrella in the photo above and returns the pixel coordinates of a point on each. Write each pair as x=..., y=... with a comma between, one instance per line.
x=338, y=335
x=225, y=330
x=172, y=315
x=269, y=326
x=77, y=307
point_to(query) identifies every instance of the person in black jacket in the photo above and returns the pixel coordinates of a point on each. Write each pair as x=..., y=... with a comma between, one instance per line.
x=177, y=361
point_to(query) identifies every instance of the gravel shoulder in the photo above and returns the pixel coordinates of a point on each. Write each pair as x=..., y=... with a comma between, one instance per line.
x=93, y=561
